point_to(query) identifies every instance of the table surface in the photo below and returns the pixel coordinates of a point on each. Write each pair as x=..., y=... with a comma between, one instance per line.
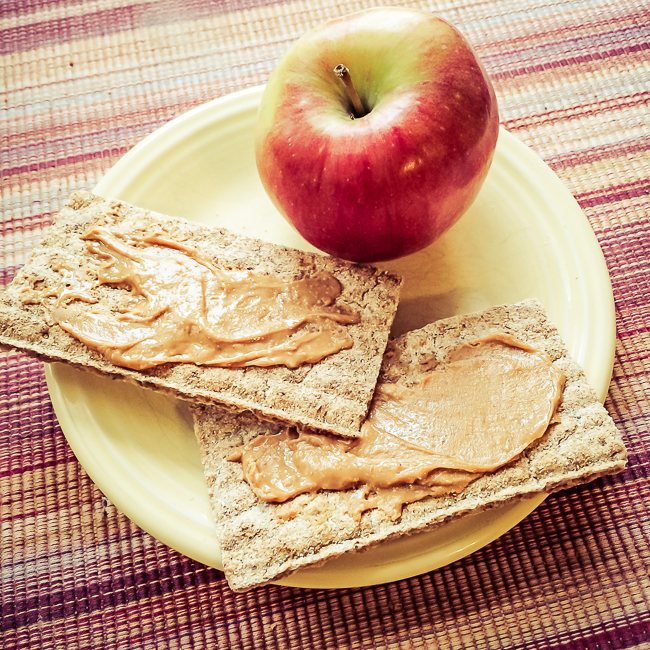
x=83, y=81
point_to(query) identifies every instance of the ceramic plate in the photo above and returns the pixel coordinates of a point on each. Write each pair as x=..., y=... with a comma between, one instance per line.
x=525, y=236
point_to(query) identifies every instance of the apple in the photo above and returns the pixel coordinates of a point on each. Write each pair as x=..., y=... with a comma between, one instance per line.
x=388, y=177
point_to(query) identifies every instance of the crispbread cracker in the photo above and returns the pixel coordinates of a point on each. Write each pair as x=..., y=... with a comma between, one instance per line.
x=258, y=547
x=331, y=395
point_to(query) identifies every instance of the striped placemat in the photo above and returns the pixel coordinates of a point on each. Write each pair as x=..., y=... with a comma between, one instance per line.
x=81, y=82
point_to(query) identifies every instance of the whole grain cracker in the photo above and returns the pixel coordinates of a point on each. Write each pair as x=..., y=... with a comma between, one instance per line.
x=331, y=395
x=258, y=547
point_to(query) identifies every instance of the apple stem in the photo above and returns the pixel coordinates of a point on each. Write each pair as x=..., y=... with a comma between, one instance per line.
x=344, y=75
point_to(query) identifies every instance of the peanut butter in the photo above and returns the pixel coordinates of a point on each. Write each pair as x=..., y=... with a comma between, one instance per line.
x=174, y=305
x=473, y=414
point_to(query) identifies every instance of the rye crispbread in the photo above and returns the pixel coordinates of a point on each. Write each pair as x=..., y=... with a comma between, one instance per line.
x=257, y=547
x=331, y=395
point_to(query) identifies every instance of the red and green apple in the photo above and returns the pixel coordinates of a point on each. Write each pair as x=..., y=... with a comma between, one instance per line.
x=379, y=160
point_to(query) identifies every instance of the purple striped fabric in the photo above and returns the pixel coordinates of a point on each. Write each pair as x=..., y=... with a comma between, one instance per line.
x=81, y=82
x=84, y=23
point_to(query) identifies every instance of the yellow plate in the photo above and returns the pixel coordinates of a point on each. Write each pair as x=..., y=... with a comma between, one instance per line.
x=525, y=236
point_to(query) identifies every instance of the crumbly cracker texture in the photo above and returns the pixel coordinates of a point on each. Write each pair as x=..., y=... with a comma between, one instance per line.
x=332, y=395
x=259, y=547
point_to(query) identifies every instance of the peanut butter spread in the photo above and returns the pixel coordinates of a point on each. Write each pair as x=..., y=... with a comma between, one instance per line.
x=174, y=305
x=471, y=415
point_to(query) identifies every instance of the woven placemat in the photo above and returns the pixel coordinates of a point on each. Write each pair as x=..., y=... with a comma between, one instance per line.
x=81, y=82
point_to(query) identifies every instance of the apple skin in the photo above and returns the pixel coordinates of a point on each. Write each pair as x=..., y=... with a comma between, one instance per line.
x=389, y=183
